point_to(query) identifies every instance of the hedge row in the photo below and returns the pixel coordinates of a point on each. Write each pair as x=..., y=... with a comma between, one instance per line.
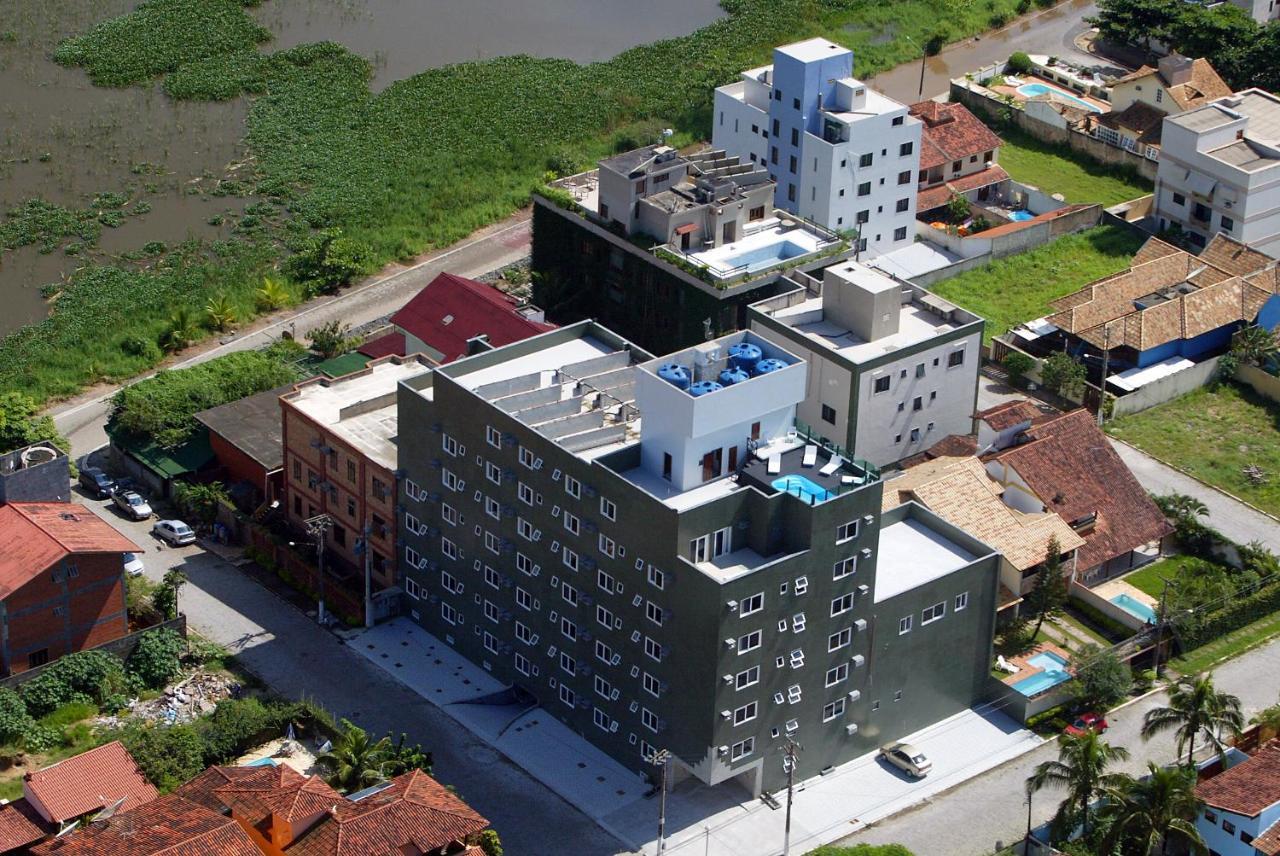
x=1198, y=630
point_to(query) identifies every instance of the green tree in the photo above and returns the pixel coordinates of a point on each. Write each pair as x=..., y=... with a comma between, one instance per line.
x=1268, y=722
x=1201, y=31
x=22, y=424
x=1148, y=815
x=1195, y=709
x=201, y=501
x=490, y=843
x=1136, y=22
x=1049, y=594
x=169, y=755
x=957, y=208
x=355, y=760
x=165, y=599
x=1017, y=364
x=220, y=311
x=1081, y=770
x=14, y=719
x=156, y=659
x=1102, y=678
x=1254, y=345
x=328, y=260
x=1062, y=374
x=1019, y=63
x=332, y=338
x=1180, y=506
x=404, y=757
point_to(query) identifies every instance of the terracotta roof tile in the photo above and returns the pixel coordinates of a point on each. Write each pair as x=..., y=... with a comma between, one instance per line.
x=34, y=535
x=1004, y=416
x=1205, y=84
x=413, y=809
x=960, y=491
x=1074, y=470
x=936, y=197
x=1234, y=257
x=200, y=789
x=951, y=131
x=1268, y=843
x=1247, y=788
x=87, y=782
x=21, y=825
x=167, y=826
x=452, y=309
x=275, y=790
x=1141, y=118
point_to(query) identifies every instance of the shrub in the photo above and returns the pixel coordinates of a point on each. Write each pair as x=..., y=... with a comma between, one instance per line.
x=235, y=726
x=1102, y=678
x=141, y=346
x=1019, y=63
x=1063, y=374
x=1017, y=364
x=156, y=659
x=489, y=843
x=168, y=755
x=14, y=720
x=1196, y=630
x=84, y=675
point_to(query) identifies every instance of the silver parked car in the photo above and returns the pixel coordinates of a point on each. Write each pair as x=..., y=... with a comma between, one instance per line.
x=175, y=532
x=907, y=758
x=133, y=564
x=132, y=504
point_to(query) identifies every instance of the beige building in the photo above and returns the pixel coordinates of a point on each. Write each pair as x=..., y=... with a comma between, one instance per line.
x=1140, y=101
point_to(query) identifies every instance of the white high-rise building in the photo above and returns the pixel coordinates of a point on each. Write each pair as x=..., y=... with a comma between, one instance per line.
x=842, y=154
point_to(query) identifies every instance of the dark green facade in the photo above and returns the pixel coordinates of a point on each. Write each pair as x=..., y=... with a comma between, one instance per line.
x=672, y=660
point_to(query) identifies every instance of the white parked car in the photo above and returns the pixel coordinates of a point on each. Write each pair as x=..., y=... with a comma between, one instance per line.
x=175, y=532
x=132, y=504
x=133, y=564
x=907, y=758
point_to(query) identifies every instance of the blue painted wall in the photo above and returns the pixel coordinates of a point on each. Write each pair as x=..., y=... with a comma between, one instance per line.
x=794, y=78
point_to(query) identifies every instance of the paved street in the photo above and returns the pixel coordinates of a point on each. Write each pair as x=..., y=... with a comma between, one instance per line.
x=987, y=813
x=82, y=419
x=298, y=659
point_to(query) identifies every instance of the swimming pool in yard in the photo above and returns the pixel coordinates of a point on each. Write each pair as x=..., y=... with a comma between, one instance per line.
x=803, y=488
x=1031, y=90
x=1135, y=607
x=1021, y=215
x=1054, y=673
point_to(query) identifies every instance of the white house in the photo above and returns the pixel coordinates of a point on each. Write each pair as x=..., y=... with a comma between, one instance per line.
x=1241, y=814
x=842, y=154
x=1220, y=171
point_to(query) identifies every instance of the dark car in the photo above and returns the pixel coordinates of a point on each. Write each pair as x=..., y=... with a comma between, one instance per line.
x=1087, y=722
x=96, y=482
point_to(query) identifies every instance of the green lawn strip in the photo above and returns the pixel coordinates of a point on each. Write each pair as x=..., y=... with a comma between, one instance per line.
x=1081, y=629
x=1059, y=169
x=1018, y=288
x=1150, y=578
x=1232, y=645
x=1214, y=433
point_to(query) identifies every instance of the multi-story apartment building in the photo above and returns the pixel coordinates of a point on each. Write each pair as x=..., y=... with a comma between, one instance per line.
x=842, y=154
x=892, y=368
x=664, y=563
x=669, y=247
x=1220, y=171
x=340, y=459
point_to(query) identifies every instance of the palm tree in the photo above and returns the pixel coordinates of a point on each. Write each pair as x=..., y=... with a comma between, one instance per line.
x=1081, y=769
x=182, y=330
x=1268, y=722
x=1148, y=814
x=1254, y=345
x=273, y=294
x=221, y=311
x=1195, y=708
x=355, y=761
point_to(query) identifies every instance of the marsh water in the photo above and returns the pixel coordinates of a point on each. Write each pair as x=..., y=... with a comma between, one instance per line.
x=64, y=140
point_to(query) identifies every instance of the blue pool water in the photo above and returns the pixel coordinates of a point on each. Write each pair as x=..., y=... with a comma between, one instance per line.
x=1055, y=672
x=1135, y=607
x=763, y=257
x=1033, y=89
x=803, y=488
x=1021, y=215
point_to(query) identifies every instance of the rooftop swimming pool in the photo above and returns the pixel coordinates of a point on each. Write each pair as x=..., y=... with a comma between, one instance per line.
x=1135, y=607
x=759, y=250
x=803, y=488
x=1031, y=90
x=1054, y=673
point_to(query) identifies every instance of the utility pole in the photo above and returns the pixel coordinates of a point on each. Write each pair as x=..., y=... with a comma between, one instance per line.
x=924, y=57
x=318, y=527
x=661, y=759
x=1160, y=625
x=789, y=765
x=1026, y=842
x=1106, y=362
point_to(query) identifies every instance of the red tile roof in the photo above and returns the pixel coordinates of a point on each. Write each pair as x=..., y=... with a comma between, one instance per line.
x=1004, y=416
x=1247, y=788
x=200, y=789
x=936, y=197
x=950, y=133
x=1069, y=463
x=414, y=809
x=276, y=790
x=168, y=826
x=87, y=782
x=34, y=535
x=20, y=825
x=1144, y=120
x=1268, y=843
x=452, y=309
x=390, y=345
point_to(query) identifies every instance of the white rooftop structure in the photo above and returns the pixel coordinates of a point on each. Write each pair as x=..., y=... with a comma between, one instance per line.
x=912, y=554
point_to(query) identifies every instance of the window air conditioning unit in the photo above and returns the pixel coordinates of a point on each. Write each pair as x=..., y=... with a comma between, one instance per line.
x=726, y=714
x=854, y=695
x=863, y=589
x=851, y=728
x=722, y=750
x=860, y=625
x=731, y=643
x=858, y=661
x=733, y=605
x=728, y=679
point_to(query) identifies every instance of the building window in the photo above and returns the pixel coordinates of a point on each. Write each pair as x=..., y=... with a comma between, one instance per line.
x=955, y=358
x=525, y=492
x=649, y=719
x=862, y=216
x=773, y=154
x=524, y=600
x=903, y=205
x=602, y=720
x=652, y=649
x=842, y=604
x=657, y=578
x=570, y=559
x=1179, y=199
x=571, y=523
x=962, y=600
x=448, y=613
x=882, y=384
x=791, y=193
x=846, y=531
x=607, y=546
x=955, y=166
x=837, y=675
x=652, y=685
x=604, y=617
x=751, y=605
x=904, y=624
x=746, y=713
x=493, y=436
x=569, y=593
x=1228, y=827
x=490, y=642
x=828, y=414
x=449, y=480
x=606, y=582
x=491, y=577
x=492, y=543
x=864, y=189
x=604, y=653
x=525, y=529
x=411, y=589
x=749, y=641
x=569, y=629
x=933, y=613
x=844, y=568
x=1228, y=224
x=493, y=508
x=742, y=749
x=900, y=233
x=608, y=510
x=411, y=557
x=653, y=612
x=525, y=565
x=840, y=639
x=449, y=548
x=746, y=678
x=833, y=710
x=449, y=444
x=906, y=149
x=568, y=696
x=493, y=472
x=522, y=664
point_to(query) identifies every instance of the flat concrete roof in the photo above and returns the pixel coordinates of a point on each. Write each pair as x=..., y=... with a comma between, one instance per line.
x=810, y=50
x=911, y=554
x=548, y=360
x=916, y=324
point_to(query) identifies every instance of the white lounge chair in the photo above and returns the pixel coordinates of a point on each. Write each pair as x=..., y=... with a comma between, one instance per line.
x=832, y=465
x=810, y=456
x=847, y=479
x=775, y=464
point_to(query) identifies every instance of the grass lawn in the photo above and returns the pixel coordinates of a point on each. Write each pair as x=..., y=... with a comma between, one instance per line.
x=1059, y=169
x=1019, y=288
x=1148, y=577
x=1214, y=434
x=1231, y=645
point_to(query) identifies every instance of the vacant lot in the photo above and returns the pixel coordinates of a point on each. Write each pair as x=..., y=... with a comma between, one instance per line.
x=1215, y=434
x=1019, y=288
x=1058, y=169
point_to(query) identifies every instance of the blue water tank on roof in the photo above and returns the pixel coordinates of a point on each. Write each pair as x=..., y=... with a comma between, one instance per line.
x=702, y=387
x=744, y=355
x=674, y=374
x=729, y=377
x=766, y=366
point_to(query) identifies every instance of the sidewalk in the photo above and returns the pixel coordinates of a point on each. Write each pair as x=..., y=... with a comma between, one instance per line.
x=701, y=820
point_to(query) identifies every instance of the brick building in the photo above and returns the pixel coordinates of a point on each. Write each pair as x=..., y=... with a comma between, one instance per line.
x=61, y=582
